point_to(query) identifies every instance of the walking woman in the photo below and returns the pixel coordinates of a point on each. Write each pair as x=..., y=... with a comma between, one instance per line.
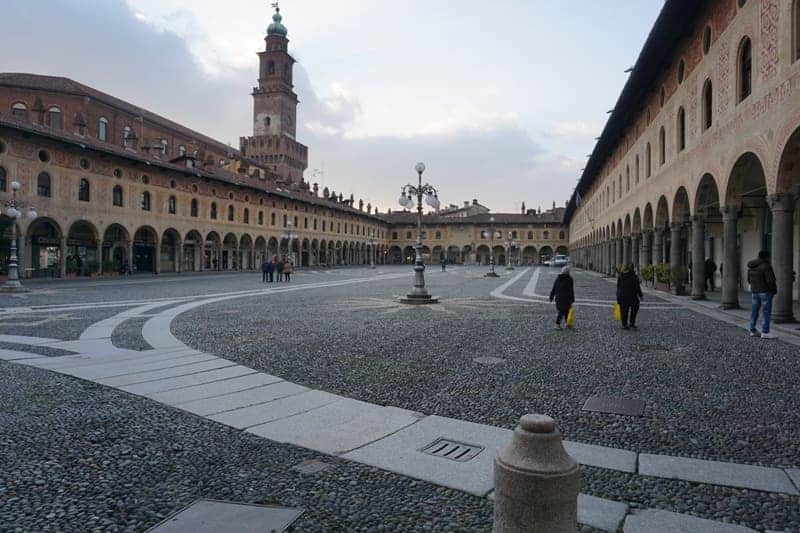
x=564, y=294
x=287, y=269
x=629, y=293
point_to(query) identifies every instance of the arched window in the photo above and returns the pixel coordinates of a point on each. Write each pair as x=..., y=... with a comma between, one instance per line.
x=246, y=216
x=270, y=68
x=127, y=134
x=164, y=147
x=116, y=196
x=561, y=235
x=305, y=223
x=745, y=85
x=394, y=235
x=708, y=104
x=102, y=129
x=214, y=210
x=648, y=159
x=43, y=185
x=796, y=31
x=662, y=97
x=546, y=235
x=83, y=190
x=706, y=40
x=636, y=170
x=285, y=221
x=230, y=213
x=619, y=189
x=662, y=146
x=315, y=224
x=295, y=223
x=627, y=178
x=681, y=126
x=681, y=70
x=54, y=118
x=181, y=150
x=272, y=219
x=261, y=218
x=193, y=207
x=172, y=205
x=144, y=201
x=438, y=235
x=20, y=111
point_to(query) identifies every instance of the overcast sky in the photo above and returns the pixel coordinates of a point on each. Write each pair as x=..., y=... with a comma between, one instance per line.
x=501, y=100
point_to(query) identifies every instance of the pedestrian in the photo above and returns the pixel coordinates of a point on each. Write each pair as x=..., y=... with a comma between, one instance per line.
x=279, y=269
x=287, y=270
x=763, y=287
x=564, y=294
x=265, y=270
x=710, y=270
x=271, y=269
x=629, y=293
x=444, y=264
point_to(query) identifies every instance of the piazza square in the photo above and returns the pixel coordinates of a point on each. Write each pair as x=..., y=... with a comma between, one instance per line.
x=199, y=334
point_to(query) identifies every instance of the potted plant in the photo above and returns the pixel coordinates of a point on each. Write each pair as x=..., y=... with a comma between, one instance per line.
x=109, y=268
x=91, y=268
x=621, y=269
x=72, y=267
x=678, y=278
x=662, y=277
x=648, y=274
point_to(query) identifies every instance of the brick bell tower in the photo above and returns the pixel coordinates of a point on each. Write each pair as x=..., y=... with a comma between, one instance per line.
x=275, y=109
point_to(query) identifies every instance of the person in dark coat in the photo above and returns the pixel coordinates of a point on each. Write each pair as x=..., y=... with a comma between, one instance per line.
x=710, y=270
x=265, y=270
x=444, y=264
x=763, y=287
x=279, y=269
x=629, y=294
x=273, y=265
x=564, y=294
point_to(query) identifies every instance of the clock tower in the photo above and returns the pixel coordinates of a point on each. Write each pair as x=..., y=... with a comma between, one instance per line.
x=273, y=143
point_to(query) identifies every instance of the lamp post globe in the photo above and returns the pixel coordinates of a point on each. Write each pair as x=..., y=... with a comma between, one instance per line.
x=491, y=230
x=419, y=295
x=13, y=206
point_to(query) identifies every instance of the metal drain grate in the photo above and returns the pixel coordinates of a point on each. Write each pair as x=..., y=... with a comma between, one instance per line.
x=453, y=450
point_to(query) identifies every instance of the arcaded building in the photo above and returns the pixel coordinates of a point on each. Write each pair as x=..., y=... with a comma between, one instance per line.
x=700, y=158
x=118, y=187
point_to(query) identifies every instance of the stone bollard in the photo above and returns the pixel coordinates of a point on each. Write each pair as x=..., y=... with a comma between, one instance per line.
x=536, y=482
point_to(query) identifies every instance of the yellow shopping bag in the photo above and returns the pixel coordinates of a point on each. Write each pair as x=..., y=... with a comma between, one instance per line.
x=617, y=313
x=571, y=317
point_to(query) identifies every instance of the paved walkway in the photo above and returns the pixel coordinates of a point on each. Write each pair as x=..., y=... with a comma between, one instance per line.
x=382, y=436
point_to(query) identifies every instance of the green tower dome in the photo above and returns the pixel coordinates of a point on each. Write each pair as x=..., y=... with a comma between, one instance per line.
x=276, y=28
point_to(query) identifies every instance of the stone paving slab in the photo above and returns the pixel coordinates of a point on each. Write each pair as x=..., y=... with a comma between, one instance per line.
x=82, y=359
x=338, y=427
x=123, y=368
x=601, y=513
x=602, y=456
x=655, y=521
x=241, y=399
x=166, y=373
x=210, y=516
x=24, y=339
x=275, y=410
x=190, y=380
x=716, y=473
x=794, y=475
x=12, y=355
x=211, y=390
x=400, y=453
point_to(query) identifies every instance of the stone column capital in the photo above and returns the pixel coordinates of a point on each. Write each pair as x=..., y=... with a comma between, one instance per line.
x=676, y=226
x=698, y=219
x=730, y=212
x=781, y=202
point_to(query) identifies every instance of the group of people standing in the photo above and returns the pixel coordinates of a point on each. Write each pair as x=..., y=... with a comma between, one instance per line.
x=760, y=277
x=274, y=266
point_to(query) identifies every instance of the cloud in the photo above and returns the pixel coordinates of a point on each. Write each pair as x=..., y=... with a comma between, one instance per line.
x=470, y=152
x=575, y=131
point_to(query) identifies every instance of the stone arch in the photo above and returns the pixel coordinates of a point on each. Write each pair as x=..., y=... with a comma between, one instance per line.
x=530, y=255
x=212, y=251
x=192, y=260
x=647, y=219
x=788, y=179
x=681, y=209
x=229, y=257
x=662, y=213
x=395, y=256
x=169, y=255
x=145, y=250
x=83, y=255
x=627, y=226
x=636, y=226
x=247, y=260
x=706, y=200
x=44, y=240
x=545, y=254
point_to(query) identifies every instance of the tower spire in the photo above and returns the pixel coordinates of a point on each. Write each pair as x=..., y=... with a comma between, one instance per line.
x=276, y=28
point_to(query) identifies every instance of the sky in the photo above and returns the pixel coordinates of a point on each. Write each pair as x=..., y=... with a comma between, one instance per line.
x=502, y=101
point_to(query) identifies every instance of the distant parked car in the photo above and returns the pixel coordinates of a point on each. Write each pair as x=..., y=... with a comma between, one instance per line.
x=547, y=262
x=560, y=261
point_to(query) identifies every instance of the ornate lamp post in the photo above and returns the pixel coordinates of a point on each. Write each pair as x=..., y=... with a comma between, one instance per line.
x=511, y=243
x=13, y=283
x=419, y=295
x=288, y=237
x=491, y=231
x=372, y=249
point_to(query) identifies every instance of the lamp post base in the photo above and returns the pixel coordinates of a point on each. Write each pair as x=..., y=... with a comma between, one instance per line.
x=419, y=299
x=491, y=275
x=13, y=286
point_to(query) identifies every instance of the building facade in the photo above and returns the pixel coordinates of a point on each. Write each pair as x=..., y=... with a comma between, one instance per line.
x=117, y=188
x=700, y=158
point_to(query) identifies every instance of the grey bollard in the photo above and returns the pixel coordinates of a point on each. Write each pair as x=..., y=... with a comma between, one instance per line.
x=536, y=482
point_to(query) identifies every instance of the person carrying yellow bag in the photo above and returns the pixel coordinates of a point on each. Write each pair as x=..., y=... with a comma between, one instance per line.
x=564, y=294
x=571, y=317
x=617, y=312
x=629, y=294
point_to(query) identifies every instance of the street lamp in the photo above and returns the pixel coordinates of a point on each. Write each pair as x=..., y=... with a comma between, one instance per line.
x=13, y=283
x=510, y=244
x=288, y=237
x=372, y=248
x=419, y=295
x=491, y=231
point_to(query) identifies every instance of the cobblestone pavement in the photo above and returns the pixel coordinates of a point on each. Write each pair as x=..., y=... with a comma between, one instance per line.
x=710, y=392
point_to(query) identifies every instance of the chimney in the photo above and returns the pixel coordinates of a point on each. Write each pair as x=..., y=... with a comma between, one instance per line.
x=466, y=203
x=474, y=201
